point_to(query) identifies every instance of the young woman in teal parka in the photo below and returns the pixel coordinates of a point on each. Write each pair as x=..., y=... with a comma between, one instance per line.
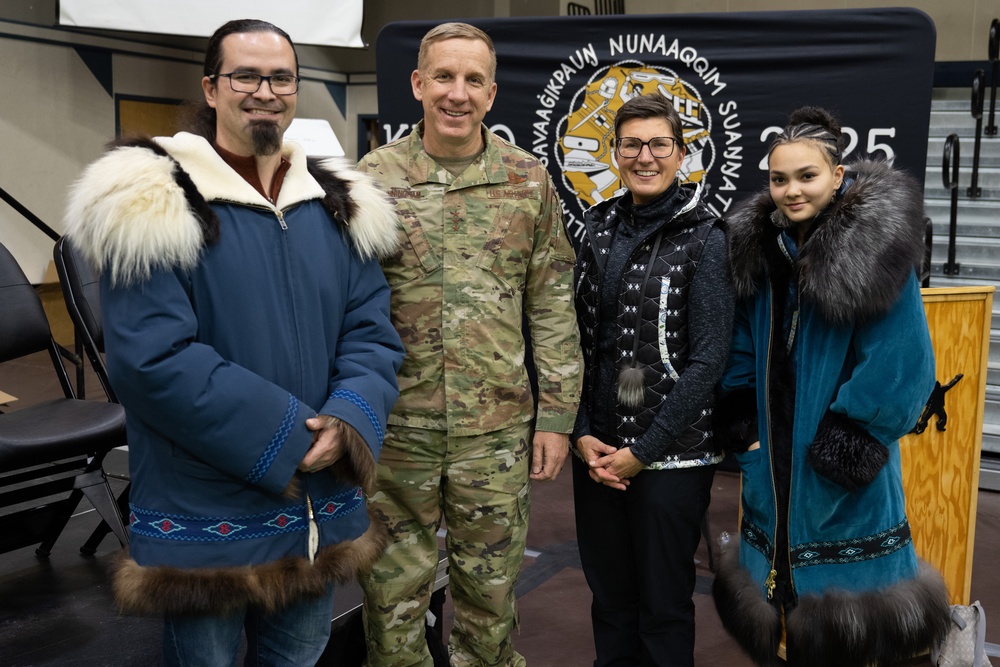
x=830, y=365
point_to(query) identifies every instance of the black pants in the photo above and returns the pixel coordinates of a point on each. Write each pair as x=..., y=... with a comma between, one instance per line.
x=637, y=548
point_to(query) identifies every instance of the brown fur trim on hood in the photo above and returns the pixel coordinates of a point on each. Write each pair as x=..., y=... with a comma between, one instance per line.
x=271, y=586
x=856, y=260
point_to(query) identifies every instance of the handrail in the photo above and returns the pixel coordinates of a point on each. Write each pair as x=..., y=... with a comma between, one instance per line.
x=950, y=164
x=925, y=267
x=994, y=55
x=977, y=113
x=32, y=218
x=609, y=6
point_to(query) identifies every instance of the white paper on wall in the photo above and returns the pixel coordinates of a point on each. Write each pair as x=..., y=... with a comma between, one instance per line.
x=321, y=22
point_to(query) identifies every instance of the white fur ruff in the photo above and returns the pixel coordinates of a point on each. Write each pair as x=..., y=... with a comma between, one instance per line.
x=128, y=216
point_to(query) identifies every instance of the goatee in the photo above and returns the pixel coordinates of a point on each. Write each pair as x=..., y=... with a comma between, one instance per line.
x=265, y=137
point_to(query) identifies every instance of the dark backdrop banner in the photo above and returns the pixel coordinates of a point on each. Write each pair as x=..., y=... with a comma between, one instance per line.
x=734, y=78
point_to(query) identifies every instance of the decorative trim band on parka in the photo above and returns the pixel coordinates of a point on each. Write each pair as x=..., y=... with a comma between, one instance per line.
x=229, y=322
x=825, y=541
x=660, y=305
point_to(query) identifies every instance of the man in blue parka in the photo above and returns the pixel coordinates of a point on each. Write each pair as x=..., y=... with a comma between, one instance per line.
x=248, y=336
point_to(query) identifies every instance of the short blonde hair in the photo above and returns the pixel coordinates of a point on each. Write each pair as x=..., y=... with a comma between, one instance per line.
x=456, y=31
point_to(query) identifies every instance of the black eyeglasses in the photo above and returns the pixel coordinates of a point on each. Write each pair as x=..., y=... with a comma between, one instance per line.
x=249, y=82
x=658, y=146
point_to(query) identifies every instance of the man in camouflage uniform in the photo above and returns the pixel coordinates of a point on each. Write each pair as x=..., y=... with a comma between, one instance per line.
x=483, y=245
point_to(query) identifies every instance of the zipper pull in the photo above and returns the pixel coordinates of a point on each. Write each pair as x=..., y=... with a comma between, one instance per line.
x=313, y=531
x=770, y=583
x=281, y=219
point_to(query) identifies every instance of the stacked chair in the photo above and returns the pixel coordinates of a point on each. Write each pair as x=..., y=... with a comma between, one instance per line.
x=51, y=452
x=81, y=288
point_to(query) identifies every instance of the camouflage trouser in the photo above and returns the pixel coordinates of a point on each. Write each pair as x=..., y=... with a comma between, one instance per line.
x=481, y=484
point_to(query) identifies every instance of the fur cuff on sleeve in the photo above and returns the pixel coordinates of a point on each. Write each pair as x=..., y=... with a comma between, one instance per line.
x=357, y=465
x=734, y=420
x=845, y=453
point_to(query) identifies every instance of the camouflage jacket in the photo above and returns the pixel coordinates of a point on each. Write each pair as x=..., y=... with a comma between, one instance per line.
x=481, y=253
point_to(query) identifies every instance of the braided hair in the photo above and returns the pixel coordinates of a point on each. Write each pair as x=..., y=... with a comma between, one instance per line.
x=817, y=125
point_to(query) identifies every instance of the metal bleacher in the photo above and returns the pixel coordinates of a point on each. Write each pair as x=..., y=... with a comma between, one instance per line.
x=977, y=236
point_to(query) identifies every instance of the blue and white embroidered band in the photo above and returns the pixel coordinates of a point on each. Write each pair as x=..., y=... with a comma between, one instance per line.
x=354, y=398
x=270, y=452
x=291, y=519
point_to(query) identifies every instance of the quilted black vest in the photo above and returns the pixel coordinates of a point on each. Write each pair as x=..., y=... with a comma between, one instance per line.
x=650, y=317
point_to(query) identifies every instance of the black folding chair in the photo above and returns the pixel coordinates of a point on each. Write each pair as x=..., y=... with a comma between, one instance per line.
x=81, y=288
x=51, y=453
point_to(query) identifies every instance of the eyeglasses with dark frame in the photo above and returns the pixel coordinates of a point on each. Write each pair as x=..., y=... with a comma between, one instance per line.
x=630, y=147
x=249, y=82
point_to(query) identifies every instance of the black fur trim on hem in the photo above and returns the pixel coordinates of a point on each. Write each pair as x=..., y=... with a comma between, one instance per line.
x=846, y=453
x=882, y=627
x=745, y=614
x=837, y=629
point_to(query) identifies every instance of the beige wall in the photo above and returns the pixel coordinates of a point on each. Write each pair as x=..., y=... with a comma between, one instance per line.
x=57, y=121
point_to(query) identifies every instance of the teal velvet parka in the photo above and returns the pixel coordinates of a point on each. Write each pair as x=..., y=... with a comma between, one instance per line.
x=824, y=537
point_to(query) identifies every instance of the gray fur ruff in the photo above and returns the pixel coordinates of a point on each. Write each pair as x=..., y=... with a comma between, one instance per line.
x=836, y=629
x=857, y=260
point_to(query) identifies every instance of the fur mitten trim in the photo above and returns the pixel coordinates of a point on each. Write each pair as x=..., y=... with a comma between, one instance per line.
x=882, y=627
x=271, y=586
x=846, y=453
x=745, y=613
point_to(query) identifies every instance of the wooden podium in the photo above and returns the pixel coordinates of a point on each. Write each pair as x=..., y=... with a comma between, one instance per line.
x=941, y=468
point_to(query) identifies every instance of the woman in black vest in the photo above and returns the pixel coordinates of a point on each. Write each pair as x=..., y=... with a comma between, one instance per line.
x=655, y=307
